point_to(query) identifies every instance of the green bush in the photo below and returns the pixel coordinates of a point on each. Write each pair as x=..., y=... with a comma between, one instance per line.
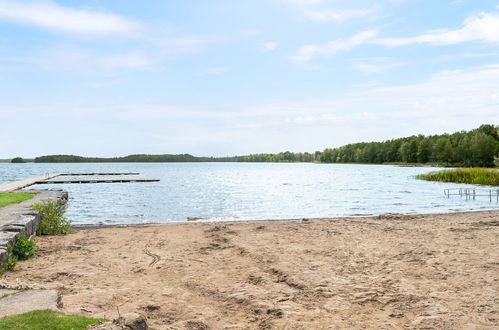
x=24, y=248
x=53, y=221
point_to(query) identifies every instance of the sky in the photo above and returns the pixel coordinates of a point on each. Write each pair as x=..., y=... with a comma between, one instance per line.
x=224, y=77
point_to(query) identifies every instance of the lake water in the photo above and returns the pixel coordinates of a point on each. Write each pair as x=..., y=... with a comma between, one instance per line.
x=247, y=191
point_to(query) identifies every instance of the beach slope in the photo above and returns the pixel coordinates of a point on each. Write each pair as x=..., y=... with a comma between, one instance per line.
x=392, y=271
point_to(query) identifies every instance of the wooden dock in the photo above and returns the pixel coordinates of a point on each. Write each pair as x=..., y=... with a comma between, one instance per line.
x=96, y=174
x=97, y=181
x=46, y=179
x=26, y=183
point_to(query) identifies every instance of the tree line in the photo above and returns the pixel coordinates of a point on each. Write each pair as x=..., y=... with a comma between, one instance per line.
x=169, y=158
x=478, y=147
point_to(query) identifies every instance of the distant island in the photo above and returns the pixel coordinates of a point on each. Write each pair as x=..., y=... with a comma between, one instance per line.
x=478, y=147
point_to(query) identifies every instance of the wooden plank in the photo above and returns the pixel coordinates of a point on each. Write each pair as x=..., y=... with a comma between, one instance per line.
x=25, y=183
x=97, y=181
x=96, y=174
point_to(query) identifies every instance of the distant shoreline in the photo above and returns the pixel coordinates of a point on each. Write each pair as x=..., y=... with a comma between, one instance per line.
x=241, y=162
x=474, y=148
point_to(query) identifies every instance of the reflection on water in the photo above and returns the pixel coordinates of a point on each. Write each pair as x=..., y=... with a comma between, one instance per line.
x=243, y=191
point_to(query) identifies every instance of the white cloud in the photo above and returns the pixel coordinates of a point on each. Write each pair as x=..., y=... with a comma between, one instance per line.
x=137, y=60
x=303, y=2
x=375, y=65
x=317, y=10
x=270, y=46
x=308, y=52
x=50, y=15
x=85, y=61
x=217, y=70
x=302, y=120
x=187, y=44
x=337, y=15
x=445, y=102
x=482, y=27
x=145, y=54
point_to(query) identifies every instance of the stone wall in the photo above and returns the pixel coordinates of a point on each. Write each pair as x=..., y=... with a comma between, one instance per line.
x=20, y=219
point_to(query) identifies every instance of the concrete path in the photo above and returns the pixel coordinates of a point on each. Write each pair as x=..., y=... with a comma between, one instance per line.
x=14, y=302
x=25, y=183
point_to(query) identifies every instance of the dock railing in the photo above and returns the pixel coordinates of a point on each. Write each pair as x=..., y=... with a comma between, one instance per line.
x=473, y=193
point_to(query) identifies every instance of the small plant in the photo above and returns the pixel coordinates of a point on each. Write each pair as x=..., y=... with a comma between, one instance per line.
x=10, y=263
x=24, y=248
x=53, y=221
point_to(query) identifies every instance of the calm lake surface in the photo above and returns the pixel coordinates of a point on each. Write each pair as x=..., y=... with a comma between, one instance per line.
x=247, y=191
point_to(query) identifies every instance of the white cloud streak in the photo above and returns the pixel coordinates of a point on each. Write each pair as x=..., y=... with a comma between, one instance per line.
x=303, y=2
x=317, y=10
x=375, y=65
x=270, y=46
x=337, y=15
x=308, y=52
x=50, y=15
x=217, y=70
x=483, y=27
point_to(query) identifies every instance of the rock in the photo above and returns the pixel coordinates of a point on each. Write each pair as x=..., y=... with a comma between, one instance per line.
x=131, y=321
x=134, y=321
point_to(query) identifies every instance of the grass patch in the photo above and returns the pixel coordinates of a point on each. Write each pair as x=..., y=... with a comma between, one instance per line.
x=46, y=319
x=52, y=219
x=485, y=176
x=7, y=198
x=12, y=293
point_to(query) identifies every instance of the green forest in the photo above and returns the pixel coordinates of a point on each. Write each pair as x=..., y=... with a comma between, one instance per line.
x=475, y=148
x=262, y=158
x=126, y=159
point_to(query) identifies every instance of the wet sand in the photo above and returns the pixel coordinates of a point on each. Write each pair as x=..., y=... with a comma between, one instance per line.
x=425, y=271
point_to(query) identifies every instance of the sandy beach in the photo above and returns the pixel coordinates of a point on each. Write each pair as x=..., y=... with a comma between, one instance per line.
x=392, y=271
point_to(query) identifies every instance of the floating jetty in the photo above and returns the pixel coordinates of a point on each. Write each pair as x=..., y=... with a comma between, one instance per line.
x=97, y=181
x=95, y=174
x=26, y=183
x=46, y=179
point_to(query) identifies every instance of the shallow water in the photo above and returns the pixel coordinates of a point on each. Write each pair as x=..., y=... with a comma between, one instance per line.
x=247, y=191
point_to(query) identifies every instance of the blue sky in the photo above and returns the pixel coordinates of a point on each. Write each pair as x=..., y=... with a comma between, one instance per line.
x=224, y=77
